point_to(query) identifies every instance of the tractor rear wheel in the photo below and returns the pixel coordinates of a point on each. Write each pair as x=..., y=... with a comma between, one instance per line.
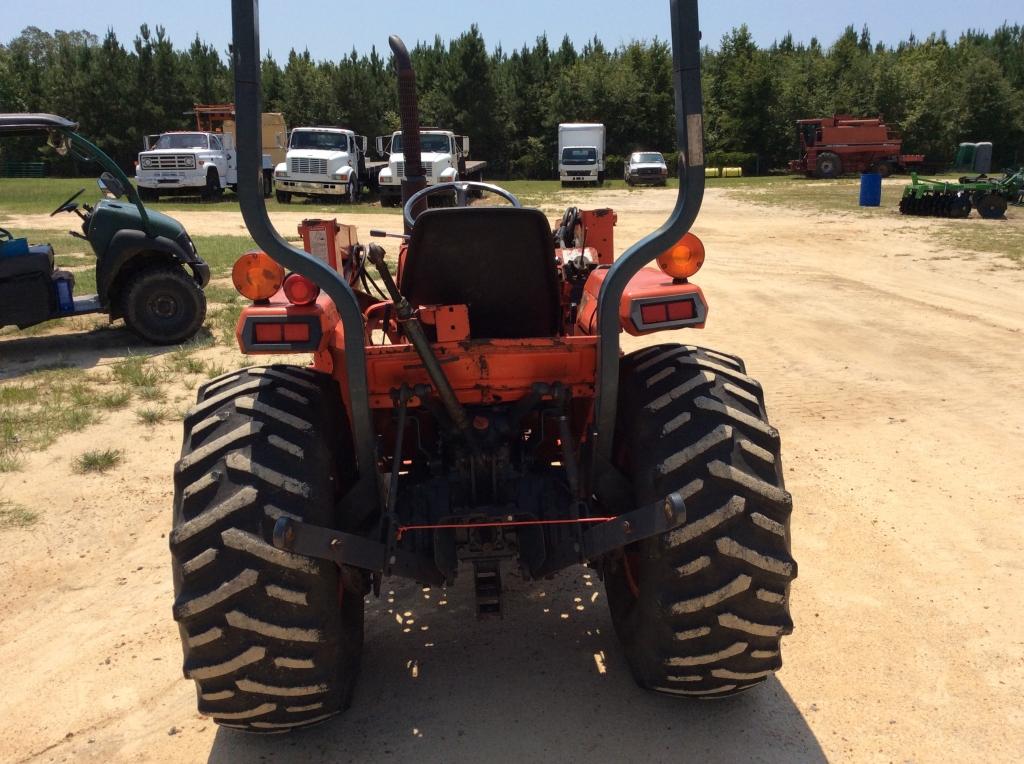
x=271, y=639
x=701, y=611
x=829, y=165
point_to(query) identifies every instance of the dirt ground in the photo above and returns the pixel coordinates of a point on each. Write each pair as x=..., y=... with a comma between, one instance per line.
x=893, y=370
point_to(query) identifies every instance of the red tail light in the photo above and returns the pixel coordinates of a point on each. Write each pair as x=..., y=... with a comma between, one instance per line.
x=280, y=333
x=299, y=290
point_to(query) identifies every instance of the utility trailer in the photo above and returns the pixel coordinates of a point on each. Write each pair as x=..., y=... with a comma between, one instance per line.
x=836, y=145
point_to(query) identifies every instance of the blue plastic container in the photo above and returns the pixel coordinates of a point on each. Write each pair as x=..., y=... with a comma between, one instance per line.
x=870, y=189
x=14, y=248
x=65, y=300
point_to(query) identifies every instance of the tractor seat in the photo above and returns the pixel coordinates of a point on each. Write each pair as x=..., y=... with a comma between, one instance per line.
x=38, y=259
x=498, y=261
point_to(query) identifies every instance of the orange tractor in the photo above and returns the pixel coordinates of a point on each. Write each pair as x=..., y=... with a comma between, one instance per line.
x=469, y=412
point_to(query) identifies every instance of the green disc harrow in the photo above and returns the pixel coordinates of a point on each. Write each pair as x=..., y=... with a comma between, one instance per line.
x=947, y=199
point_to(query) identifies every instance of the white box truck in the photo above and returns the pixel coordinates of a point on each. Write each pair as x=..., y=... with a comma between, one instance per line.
x=581, y=153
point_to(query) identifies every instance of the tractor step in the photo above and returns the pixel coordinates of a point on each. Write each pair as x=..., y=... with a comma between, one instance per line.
x=487, y=584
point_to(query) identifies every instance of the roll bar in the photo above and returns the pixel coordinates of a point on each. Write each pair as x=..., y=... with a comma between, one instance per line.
x=689, y=137
x=690, y=140
x=248, y=106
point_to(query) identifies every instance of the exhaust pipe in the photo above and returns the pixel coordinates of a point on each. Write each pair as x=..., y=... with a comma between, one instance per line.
x=409, y=114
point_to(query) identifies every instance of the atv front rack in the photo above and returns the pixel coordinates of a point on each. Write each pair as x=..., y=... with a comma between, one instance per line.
x=605, y=535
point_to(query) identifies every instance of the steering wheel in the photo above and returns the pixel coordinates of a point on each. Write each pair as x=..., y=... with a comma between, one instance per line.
x=6, y=235
x=68, y=206
x=461, y=189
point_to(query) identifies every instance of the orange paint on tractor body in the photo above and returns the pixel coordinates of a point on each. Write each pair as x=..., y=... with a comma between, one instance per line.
x=481, y=371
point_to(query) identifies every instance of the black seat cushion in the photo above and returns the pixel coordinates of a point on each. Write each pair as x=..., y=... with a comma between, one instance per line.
x=498, y=261
x=38, y=260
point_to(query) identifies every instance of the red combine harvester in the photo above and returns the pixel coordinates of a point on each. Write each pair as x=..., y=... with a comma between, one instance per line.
x=836, y=145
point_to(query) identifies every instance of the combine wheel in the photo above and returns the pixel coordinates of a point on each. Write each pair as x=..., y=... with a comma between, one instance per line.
x=829, y=165
x=701, y=611
x=272, y=639
x=991, y=206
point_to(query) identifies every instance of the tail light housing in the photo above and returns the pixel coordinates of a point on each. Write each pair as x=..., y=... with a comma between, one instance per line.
x=299, y=290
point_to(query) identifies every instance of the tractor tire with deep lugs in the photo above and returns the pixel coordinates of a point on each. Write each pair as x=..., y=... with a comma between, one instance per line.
x=700, y=611
x=272, y=639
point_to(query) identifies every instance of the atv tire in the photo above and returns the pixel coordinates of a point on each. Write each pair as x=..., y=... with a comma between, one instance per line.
x=272, y=639
x=163, y=305
x=700, y=611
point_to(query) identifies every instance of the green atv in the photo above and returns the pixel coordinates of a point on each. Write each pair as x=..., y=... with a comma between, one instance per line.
x=148, y=271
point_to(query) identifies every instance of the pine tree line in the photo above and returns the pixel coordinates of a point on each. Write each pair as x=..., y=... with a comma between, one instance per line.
x=935, y=91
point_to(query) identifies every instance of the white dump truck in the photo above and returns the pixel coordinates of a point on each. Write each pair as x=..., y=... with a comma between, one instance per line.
x=322, y=161
x=581, y=153
x=204, y=161
x=445, y=158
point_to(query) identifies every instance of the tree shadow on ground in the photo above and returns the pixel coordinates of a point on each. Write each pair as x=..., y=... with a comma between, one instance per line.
x=22, y=354
x=546, y=683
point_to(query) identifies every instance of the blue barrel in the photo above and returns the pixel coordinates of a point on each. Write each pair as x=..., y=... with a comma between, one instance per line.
x=870, y=189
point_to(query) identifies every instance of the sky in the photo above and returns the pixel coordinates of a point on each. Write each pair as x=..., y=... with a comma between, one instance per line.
x=331, y=29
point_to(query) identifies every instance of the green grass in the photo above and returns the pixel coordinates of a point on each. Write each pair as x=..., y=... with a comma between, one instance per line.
x=222, y=294
x=153, y=393
x=151, y=416
x=43, y=406
x=14, y=515
x=222, y=322
x=10, y=462
x=115, y=400
x=132, y=372
x=41, y=195
x=14, y=395
x=98, y=461
x=994, y=237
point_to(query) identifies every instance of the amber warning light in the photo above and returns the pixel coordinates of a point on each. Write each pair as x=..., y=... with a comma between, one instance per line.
x=257, y=276
x=684, y=258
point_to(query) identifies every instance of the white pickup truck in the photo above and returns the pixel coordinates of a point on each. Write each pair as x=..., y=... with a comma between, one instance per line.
x=322, y=161
x=445, y=158
x=187, y=163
